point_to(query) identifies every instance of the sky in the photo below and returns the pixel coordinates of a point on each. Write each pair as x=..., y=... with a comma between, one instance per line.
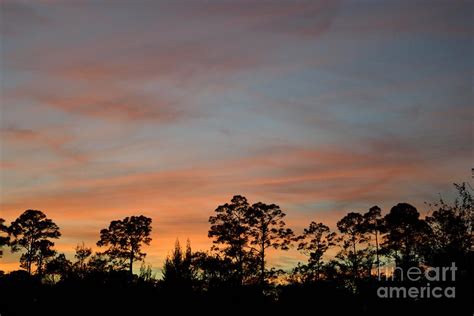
x=169, y=108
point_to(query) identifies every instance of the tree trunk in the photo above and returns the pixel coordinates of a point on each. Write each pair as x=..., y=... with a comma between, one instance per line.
x=262, y=259
x=262, y=266
x=377, y=254
x=40, y=266
x=354, y=264
x=240, y=266
x=131, y=263
x=28, y=260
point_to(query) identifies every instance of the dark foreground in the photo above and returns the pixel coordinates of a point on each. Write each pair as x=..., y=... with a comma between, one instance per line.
x=116, y=294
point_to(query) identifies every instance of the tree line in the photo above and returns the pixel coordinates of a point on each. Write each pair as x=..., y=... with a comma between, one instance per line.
x=242, y=234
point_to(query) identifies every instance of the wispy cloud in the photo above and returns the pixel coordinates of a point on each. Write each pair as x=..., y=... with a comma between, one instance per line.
x=169, y=108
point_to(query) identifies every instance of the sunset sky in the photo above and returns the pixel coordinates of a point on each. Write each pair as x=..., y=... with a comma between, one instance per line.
x=168, y=109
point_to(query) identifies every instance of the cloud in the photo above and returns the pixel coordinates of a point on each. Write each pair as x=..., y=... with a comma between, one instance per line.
x=19, y=18
x=292, y=175
x=307, y=18
x=168, y=109
x=386, y=17
x=50, y=139
x=119, y=106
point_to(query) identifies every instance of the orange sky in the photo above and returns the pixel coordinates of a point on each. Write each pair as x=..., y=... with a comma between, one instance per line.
x=169, y=109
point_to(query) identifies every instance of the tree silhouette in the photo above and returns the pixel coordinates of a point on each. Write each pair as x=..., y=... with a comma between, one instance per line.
x=146, y=273
x=125, y=239
x=406, y=233
x=82, y=254
x=314, y=243
x=352, y=230
x=374, y=224
x=4, y=238
x=212, y=270
x=452, y=229
x=178, y=270
x=32, y=232
x=58, y=266
x=233, y=275
x=99, y=263
x=45, y=252
x=230, y=232
x=267, y=229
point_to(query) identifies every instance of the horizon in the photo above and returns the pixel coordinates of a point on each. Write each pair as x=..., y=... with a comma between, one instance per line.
x=169, y=109
x=277, y=259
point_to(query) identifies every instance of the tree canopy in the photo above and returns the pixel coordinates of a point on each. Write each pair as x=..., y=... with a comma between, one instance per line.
x=125, y=238
x=32, y=232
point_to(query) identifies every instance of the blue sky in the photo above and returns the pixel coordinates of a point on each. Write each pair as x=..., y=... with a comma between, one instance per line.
x=167, y=109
